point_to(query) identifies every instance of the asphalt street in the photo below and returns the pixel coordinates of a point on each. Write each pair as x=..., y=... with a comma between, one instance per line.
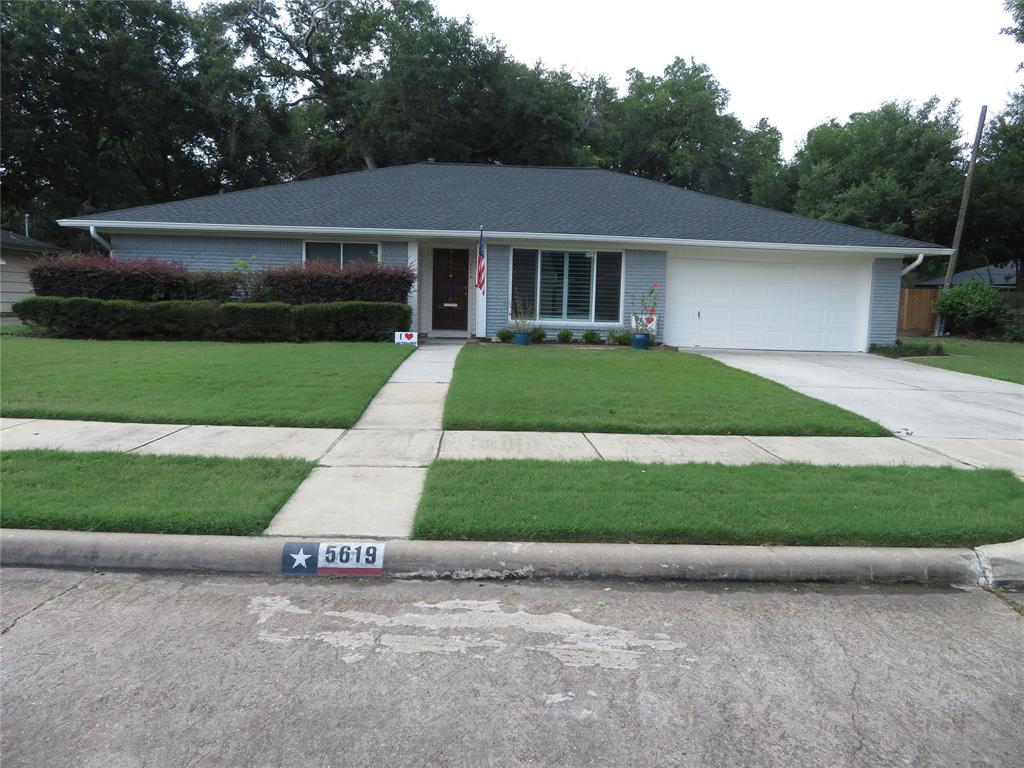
x=128, y=669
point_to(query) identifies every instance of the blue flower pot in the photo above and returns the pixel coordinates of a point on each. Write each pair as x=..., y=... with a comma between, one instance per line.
x=641, y=340
x=521, y=337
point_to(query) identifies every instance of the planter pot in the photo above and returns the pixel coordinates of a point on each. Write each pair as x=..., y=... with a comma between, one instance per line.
x=641, y=340
x=521, y=337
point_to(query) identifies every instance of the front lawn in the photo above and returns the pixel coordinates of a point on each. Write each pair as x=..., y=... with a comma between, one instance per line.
x=194, y=382
x=995, y=359
x=549, y=388
x=716, y=504
x=144, y=494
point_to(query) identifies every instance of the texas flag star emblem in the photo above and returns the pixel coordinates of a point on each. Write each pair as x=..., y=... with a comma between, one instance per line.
x=299, y=558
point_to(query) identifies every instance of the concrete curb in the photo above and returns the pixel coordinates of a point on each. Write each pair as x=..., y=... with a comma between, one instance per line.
x=1002, y=565
x=490, y=560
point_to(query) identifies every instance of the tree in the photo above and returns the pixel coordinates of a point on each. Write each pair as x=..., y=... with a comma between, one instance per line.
x=113, y=103
x=898, y=169
x=675, y=128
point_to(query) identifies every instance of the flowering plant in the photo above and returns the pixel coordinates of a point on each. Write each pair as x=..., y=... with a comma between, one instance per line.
x=646, y=320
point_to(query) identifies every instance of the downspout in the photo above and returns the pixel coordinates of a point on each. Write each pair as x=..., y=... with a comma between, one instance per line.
x=913, y=265
x=99, y=239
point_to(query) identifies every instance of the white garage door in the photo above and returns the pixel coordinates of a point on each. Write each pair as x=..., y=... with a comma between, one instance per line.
x=767, y=305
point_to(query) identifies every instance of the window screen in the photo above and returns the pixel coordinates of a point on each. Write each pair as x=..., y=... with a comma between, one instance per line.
x=607, y=287
x=524, y=280
x=329, y=252
x=361, y=252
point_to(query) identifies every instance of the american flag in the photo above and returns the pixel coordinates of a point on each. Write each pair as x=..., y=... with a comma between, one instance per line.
x=481, y=264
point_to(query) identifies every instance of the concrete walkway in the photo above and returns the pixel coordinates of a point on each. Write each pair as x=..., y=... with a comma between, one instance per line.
x=910, y=399
x=372, y=477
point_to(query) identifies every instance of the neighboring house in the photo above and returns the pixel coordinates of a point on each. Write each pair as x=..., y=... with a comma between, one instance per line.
x=16, y=255
x=579, y=244
x=1004, y=278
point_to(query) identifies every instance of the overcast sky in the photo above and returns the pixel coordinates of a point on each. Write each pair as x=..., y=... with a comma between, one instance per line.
x=796, y=62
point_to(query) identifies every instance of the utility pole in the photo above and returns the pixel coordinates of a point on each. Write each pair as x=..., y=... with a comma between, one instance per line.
x=951, y=269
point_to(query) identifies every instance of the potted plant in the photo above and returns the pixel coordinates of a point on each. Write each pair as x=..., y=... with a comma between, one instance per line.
x=645, y=322
x=521, y=315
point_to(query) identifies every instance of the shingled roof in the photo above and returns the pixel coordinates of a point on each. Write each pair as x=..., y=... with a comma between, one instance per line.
x=458, y=198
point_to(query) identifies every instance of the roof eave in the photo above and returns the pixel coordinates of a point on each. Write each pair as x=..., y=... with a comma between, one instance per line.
x=158, y=227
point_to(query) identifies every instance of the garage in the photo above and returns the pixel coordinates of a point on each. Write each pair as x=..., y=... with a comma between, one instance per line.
x=770, y=303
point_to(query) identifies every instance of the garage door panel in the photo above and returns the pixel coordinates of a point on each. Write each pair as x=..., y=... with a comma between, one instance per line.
x=766, y=305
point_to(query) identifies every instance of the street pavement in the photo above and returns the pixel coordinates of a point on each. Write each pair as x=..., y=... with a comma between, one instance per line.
x=127, y=669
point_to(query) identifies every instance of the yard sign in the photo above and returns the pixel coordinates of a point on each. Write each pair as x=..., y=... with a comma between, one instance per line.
x=406, y=337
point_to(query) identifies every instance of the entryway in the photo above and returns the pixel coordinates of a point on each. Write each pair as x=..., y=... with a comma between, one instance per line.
x=450, y=298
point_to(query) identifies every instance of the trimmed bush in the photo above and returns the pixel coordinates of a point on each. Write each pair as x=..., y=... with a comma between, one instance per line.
x=100, y=277
x=504, y=335
x=564, y=336
x=590, y=336
x=538, y=335
x=79, y=317
x=973, y=308
x=319, y=282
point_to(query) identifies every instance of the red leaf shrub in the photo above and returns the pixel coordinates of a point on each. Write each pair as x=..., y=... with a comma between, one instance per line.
x=100, y=277
x=317, y=283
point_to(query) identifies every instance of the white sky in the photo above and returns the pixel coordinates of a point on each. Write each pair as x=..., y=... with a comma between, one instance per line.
x=796, y=62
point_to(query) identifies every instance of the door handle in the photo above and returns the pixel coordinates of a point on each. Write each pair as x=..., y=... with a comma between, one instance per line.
x=698, y=314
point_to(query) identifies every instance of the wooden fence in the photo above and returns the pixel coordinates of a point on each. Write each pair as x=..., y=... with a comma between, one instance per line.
x=916, y=314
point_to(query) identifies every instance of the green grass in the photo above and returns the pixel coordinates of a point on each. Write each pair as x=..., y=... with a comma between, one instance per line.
x=548, y=388
x=995, y=359
x=14, y=329
x=144, y=494
x=184, y=382
x=716, y=504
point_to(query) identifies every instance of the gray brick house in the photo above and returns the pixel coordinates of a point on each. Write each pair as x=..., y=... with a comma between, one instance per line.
x=577, y=246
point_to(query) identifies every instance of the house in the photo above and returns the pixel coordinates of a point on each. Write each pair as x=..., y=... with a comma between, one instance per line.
x=16, y=254
x=1004, y=278
x=577, y=245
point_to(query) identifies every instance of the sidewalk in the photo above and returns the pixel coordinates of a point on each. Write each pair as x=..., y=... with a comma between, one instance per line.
x=369, y=478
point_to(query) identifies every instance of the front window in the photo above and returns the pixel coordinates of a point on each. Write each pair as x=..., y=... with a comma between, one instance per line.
x=342, y=254
x=576, y=286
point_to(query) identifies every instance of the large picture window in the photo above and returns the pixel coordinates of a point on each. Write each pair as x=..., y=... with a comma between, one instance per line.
x=575, y=286
x=342, y=254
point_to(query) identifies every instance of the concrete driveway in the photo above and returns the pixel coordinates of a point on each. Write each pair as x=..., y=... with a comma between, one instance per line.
x=908, y=398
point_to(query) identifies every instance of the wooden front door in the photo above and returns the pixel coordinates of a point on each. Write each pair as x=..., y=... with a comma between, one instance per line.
x=451, y=289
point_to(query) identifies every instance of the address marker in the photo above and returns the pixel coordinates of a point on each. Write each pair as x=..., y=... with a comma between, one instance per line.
x=332, y=558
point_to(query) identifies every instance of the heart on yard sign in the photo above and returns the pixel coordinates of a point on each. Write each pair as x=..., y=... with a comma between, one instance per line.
x=408, y=336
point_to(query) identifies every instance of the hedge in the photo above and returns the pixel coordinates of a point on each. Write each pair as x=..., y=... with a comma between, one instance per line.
x=318, y=282
x=100, y=277
x=79, y=317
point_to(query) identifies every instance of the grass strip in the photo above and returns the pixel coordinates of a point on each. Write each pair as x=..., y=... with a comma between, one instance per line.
x=715, y=504
x=144, y=494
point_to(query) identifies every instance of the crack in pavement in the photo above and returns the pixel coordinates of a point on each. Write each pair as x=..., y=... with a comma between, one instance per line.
x=47, y=601
x=853, y=697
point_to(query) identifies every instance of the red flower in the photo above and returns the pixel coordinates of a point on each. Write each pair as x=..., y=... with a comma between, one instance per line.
x=657, y=285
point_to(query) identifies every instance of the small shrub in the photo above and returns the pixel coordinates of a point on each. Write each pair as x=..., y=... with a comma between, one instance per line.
x=319, y=282
x=504, y=335
x=538, y=335
x=622, y=337
x=564, y=336
x=973, y=308
x=590, y=336
x=909, y=349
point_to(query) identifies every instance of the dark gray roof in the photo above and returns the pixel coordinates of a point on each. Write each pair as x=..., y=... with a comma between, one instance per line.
x=1002, y=277
x=18, y=242
x=459, y=197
